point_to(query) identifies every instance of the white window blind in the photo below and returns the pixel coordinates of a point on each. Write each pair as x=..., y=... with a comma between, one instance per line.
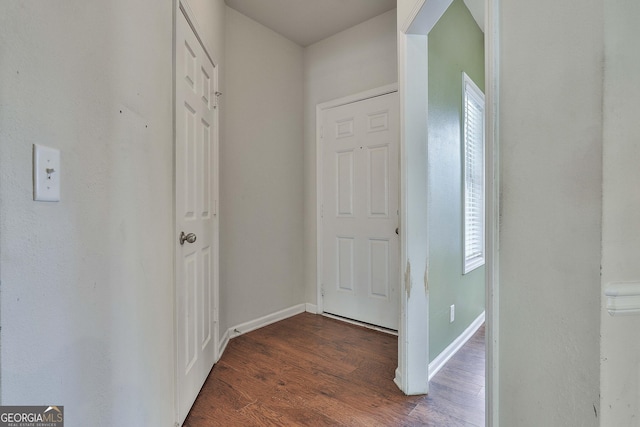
x=473, y=137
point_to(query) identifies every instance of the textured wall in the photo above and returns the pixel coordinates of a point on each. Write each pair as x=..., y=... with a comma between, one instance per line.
x=261, y=179
x=551, y=204
x=87, y=283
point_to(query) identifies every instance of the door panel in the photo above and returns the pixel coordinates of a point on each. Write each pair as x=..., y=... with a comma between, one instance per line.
x=378, y=165
x=196, y=195
x=360, y=249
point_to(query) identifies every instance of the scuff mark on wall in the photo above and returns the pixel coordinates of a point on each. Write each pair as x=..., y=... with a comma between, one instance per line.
x=407, y=279
x=426, y=276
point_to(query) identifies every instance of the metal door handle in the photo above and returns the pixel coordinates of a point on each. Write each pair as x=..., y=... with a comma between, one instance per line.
x=190, y=238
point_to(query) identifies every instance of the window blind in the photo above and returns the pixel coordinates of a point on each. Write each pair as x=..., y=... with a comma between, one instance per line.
x=473, y=137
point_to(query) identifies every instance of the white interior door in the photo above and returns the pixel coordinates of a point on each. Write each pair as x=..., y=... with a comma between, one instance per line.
x=196, y=219
x=360, y=246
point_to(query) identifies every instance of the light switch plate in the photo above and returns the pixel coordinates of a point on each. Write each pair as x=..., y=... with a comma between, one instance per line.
x=46, y=174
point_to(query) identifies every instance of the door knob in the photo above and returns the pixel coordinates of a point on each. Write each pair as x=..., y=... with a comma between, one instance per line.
x=190, y=238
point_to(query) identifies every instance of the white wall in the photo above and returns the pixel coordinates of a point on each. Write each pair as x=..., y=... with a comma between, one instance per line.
x=261, y=154
x=550, y=227
x=87, y=283
x=87, y=294
x=360, y=58
x=620, y=349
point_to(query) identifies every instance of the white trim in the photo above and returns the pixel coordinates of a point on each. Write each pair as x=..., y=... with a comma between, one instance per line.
x=174, y=343
x=397, y=378
x=361, y=324
x=311, y=308
x=361, y=96
x=412, y=16
x=400, y=378
x=446, y=354
x=413, y=340
x=319, y=210
x=492, y=206
x=427, y=16
x=320, y=108
x=252, y=325
x=222, y=345
x=413, y=344
x=263, y=321
x=623, y=298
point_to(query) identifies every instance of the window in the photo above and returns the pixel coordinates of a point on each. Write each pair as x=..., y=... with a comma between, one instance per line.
x=473, y=180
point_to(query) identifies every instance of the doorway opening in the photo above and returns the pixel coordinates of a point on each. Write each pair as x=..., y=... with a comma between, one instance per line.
x=421, y=146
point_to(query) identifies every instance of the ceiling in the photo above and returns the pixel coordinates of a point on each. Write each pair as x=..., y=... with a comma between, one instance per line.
x=308, y=21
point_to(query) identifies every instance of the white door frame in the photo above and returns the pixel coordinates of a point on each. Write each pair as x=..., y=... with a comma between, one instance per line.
x=413, y=55
x=183, y=7
x=320, y=109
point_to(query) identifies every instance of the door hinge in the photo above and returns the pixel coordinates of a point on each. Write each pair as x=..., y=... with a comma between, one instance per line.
x=322, y=290
x=321, y=132
x=215, y=207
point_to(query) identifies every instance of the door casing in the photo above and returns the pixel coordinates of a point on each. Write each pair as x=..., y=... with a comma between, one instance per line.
x=411, y=33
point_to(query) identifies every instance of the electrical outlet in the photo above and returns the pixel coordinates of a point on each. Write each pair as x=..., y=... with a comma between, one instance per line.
x=452, y=313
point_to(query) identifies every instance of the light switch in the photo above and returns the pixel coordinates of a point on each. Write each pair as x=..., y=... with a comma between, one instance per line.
x=46, y=174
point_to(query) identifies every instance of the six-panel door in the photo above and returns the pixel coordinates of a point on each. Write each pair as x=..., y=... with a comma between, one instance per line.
x=360, y=149
x=196, y=172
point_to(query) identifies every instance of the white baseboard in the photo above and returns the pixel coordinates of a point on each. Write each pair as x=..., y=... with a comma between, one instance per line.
x=223, y=344
x=252, y=325
x=398, y=378
x=452, y=349
x=434, y=366
x=361, y=324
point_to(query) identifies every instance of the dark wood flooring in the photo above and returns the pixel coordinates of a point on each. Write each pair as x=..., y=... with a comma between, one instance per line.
x=311, y=370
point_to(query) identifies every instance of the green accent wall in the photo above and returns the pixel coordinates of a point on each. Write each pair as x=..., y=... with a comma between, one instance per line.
x=456, y=44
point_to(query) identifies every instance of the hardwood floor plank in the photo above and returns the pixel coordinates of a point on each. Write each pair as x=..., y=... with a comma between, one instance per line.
x=311, y=370
x=306, y=351
x=459, y=380
x=469, y=363
x=465, y=376
x=435, y=415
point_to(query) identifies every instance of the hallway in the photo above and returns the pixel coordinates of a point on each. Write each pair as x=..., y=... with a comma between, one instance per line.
x=313, y=370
